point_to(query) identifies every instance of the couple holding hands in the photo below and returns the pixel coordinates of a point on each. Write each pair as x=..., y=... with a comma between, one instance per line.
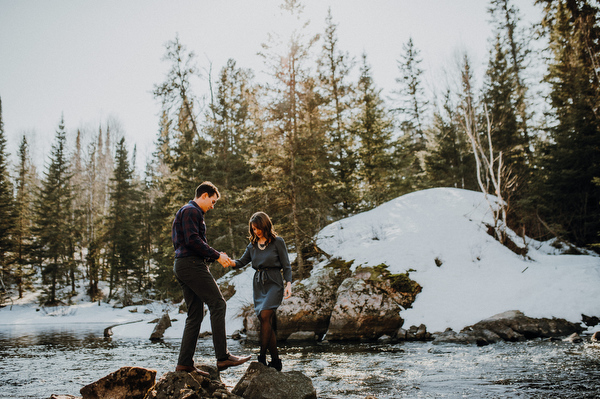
x=269, y=258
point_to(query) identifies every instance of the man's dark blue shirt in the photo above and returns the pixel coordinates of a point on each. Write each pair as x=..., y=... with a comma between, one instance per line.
x=189, y=233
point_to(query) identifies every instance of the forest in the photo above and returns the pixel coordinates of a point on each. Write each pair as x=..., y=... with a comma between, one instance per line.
x=315, y=143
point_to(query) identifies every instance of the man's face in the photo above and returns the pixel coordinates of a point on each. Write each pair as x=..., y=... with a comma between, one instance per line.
x=206, y=203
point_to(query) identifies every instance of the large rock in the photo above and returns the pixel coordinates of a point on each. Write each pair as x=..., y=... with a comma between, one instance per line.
x=363, y=312
x=262, y=382
x=341, y=304
x=305, y=316
x=509, y=326
x=183, y=385
x=125, y=383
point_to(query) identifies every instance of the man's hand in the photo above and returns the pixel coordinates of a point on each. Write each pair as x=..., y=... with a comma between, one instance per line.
x=225, y=260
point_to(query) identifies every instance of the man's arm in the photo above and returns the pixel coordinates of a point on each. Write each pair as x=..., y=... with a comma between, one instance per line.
x=192, y=224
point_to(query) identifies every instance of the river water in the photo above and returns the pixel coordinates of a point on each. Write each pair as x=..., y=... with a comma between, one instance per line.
x=38, y=361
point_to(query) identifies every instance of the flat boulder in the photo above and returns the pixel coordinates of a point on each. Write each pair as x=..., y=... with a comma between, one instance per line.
x=510, y=326
x=262, y=382
x=125, y=383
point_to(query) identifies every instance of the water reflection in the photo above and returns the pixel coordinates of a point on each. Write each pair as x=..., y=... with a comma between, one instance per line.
x=65, y=359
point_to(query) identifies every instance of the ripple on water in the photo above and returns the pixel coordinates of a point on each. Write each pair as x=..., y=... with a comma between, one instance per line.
x=66, y=360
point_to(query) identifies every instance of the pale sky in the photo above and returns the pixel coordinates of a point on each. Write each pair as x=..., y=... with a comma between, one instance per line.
x=93, y=60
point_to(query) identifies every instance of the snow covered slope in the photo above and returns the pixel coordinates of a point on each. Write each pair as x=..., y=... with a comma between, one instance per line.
x=478, y=277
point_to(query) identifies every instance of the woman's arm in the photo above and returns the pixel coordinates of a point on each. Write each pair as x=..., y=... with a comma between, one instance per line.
x=245, y=259
x=285, y=264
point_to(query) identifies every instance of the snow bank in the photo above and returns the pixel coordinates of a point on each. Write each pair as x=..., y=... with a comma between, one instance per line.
x=478, y=276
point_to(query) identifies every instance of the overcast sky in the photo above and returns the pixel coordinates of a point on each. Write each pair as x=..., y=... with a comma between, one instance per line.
x=95, y=60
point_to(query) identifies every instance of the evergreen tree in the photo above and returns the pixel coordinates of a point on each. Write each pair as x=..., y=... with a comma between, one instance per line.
x=161, y=213
x=187, y=148
x=7, y=222
x=232, y=130
x=513, y=41
x=78, y=206
x=569, y=199
x=181, y=156
x=23, y=236
x=290, y=153
x=449, y=160
x=411, y=107
x=54, y=229
x=373, y=128
x=124, y=228
x=334, y=67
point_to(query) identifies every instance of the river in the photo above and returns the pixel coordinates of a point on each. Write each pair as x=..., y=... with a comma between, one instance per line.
x=37, y=361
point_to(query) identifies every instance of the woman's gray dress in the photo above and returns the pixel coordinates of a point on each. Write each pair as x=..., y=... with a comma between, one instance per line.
x=268, y=281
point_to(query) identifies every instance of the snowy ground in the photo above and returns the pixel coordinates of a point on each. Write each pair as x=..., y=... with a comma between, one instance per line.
x=477, y=278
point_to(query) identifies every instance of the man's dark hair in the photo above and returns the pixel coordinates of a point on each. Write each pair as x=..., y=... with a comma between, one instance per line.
x=208, y=188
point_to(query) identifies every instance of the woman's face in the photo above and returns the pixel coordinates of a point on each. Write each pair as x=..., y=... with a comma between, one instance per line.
x=258, y=232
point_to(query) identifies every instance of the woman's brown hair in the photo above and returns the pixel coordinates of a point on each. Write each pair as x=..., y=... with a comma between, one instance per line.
x=262, y=222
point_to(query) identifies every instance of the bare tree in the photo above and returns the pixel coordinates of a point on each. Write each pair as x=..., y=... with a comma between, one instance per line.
x=493, y=177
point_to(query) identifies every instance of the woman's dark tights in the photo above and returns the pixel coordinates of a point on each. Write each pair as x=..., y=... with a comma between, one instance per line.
x=268, y=333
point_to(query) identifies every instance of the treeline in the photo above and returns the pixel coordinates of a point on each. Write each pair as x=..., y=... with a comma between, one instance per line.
x=316, y=142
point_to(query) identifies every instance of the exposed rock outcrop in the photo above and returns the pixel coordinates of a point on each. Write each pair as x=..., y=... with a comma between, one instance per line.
x=305, y=316
x=340, y=305
x=125, y=383
x=363, y=312
x=509, y=326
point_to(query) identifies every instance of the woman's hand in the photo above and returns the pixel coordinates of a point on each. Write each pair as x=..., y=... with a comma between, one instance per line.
x=287, y=292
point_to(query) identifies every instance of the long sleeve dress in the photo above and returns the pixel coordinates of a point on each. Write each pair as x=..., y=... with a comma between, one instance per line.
x=269, y=264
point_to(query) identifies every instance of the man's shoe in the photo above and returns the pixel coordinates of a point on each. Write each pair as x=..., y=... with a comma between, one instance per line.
x=191, y=369
x=231, y=361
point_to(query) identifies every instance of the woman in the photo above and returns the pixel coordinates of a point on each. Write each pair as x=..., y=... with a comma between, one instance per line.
x=269, y=258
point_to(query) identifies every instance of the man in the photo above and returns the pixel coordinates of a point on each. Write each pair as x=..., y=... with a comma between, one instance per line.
x=192, y=256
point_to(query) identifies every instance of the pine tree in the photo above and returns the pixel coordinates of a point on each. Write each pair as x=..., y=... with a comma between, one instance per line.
x=23, y=236
x=7, y=222
x=569, y=199
x=186, y=158
x=232, y=130
x=161, y=213
x=53, y=229
x=373, y=128
x=181, y=155
x=334, y=68
x=289, y=152
x=513, y=41
x=78, y=205
x=449, y=160
x=411, y=106
x=124, y=227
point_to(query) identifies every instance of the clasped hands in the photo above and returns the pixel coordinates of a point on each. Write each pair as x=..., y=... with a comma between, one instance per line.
x=225, y=260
